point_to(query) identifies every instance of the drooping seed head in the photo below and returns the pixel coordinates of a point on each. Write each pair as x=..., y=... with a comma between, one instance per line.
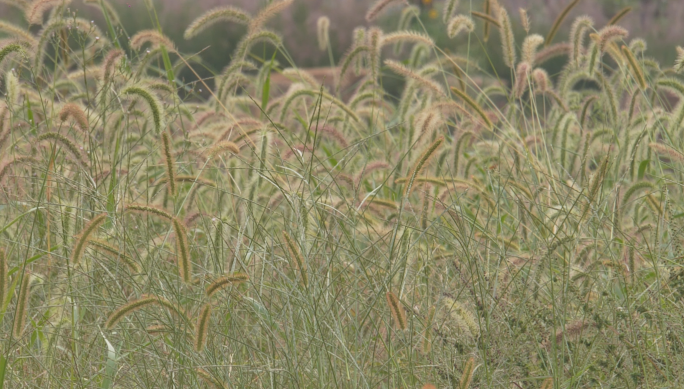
x=459, y=23
x=379, y=7
x=274, y=8
x=76, y=112
x=610, y=34
x=154, y=37
x=155, y=107
x=83, y=237
x=35, y=11
x=225, y=281
x=214, y=16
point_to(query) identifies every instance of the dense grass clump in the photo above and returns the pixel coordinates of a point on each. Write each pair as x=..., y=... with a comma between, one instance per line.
x=320, y=232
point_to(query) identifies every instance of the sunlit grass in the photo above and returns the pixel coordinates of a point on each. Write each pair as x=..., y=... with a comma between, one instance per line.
x=466, y=232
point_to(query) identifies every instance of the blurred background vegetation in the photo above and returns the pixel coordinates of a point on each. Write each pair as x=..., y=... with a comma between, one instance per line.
x=654, y=20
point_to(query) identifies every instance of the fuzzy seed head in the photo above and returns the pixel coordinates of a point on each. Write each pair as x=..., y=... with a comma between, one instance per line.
x=76, y=112
x=397, y=311
x=155, y=111
x=507, y=38
x=638, y=46
x=222, y=147
x=459, y=23
x=110, y=62
x=524, y=20
x=17, y=32
x=667, y=151
x=169, y=162
x=154, y=37
x=679, y=62
x=322, y=27
x=610, y=34
x=148, y=209
x=9, y=49
x=467, y=376
x=35, y=11
x=22, y=305
x=67, y=143
x=399, y=68
x=475, y=106
x=577, y=32
x=225, y=281
x=379, y=7
x=229, y=14
x=267, y=13
x=182, y=250
x=374, y=44
x=541, y=80
x=407, y=36
x=108, y=248
x=129, y=308
x=202, y=327
x=635, y=67
x=209, y=379
x=83, y=237
x=425, y=124
x=618, y=16
x=559, y=20
x=529, y=48
x=450, y=7
x=421, y=163
x=245, y=45
x=296, y=255
x=553, y=51
x=12, y=88
x=521, y=75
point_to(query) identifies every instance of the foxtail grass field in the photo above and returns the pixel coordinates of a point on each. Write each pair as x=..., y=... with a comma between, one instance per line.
x=273, y=226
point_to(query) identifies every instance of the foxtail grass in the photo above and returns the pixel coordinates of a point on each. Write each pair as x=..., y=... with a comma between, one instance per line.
x=202, y=327
x=296, y=255
x=225, y=281
x=83, y=237
x=20, y=312
x=421, y=163
x=398, y=313
x=214, y=16
x=559, y=20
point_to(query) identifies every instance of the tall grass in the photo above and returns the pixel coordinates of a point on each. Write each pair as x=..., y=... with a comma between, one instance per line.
x=462, y=233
